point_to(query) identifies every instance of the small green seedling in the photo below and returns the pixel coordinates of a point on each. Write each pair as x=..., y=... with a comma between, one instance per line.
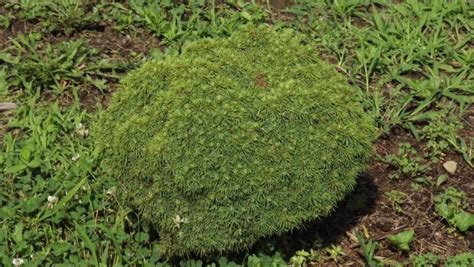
x=424, y=260
x=303, y=257
x=440, y=132
x=397, y=199
x=465, y=259
x=441, y=179
x=463, y=220
x=335, y=252
x=407, y=162
x=264, y=260
x=402, y=240
x=452, y=206
x=368, y=250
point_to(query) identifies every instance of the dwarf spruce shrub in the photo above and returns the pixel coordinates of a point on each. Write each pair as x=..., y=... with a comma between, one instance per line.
x=234, y=139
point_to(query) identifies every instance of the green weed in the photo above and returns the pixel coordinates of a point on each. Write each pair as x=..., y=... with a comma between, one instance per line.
x=303, y=257
x=452, y=206
x=33, y=68
x=56, y=15
x=465, y=259
x=368, y=250
x=402, y=240
x=6, y=20
x=175, y=23
x=441, y=179
x=407, y=162
x=397, y=199
x=425, y=260
x=335, y=252
x=405, y=58
x=440, y=131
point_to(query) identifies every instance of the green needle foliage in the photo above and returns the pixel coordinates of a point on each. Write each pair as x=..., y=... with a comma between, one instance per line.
x=234, y=139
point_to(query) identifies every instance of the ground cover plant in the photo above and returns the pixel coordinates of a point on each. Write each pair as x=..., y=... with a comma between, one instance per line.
x=410, y=61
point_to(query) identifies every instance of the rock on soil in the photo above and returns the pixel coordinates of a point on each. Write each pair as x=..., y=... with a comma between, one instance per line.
x=450, y=166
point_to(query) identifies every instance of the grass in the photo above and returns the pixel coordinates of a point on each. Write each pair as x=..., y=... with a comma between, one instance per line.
x=411, y=61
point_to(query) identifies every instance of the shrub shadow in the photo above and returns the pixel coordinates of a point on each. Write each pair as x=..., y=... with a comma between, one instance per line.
x=326, y=231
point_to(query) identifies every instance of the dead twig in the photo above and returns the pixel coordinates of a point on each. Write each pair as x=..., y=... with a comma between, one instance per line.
x=7, y=106
x=382, y=237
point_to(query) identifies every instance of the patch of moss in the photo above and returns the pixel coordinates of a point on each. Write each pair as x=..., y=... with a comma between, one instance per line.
x=234, y=139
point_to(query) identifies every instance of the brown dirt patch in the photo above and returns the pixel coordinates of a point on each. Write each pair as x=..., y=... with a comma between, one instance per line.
x=261, y=81
x=281, y=4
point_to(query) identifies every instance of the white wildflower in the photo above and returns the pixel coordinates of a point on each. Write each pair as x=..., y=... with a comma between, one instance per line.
x=110, y=191
x=52, y=200
x=82, y=130
x=178, y=220
x=18, y=261
x=75, y=157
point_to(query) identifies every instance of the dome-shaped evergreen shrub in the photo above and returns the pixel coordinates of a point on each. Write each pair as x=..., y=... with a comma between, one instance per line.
x=234, y=139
